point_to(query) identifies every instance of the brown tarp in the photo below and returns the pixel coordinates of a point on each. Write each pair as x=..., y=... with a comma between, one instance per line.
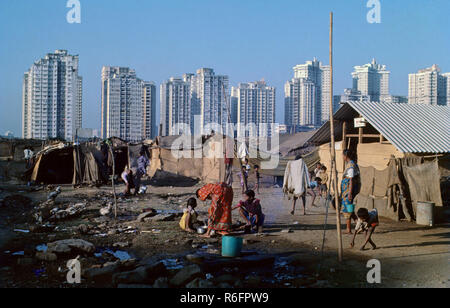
x=396, y=190
x=89, y=165
x=424, y=182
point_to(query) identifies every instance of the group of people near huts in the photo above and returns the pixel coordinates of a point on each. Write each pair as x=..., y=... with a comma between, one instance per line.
x=133, y=181
x=221, y=197
x=220, y=210
x=297, y=184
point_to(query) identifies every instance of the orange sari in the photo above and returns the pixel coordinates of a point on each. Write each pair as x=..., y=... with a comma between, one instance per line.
x=220, y=210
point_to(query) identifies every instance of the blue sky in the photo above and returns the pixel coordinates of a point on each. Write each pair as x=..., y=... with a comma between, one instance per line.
x=245, y=39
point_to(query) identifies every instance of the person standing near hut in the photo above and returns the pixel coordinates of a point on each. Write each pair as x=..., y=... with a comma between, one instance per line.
x=142, y=164
x=349, y=189
x=219, y=213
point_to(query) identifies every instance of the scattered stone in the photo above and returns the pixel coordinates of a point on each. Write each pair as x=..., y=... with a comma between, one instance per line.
x=224, y=285
x=83, y=229
x=186, y=275
x=163, y=217
x=254, y=280
x=71, y=245
x=195, y=258
x=199, y=283
x=226, y=278
x=121, y=244
x=46, y=256
x=113, y=232
x=105, y=211
x=71, y=211
x=141, y=275
x=41, y=228
x=103, y=274
x=161, y=283
x=137, y=276
x=144, y=215
x=286, y=231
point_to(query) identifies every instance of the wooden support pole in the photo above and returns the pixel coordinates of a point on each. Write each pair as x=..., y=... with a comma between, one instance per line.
x=360, y=135
x=333, y=149
x=344, y=135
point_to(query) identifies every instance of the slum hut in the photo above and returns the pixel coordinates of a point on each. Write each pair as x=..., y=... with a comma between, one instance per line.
x=402, y=151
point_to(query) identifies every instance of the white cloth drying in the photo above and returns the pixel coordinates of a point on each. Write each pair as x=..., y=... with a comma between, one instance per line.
x=296, y=178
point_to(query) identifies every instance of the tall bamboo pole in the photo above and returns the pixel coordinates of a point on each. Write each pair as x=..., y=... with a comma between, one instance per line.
x=332, y=148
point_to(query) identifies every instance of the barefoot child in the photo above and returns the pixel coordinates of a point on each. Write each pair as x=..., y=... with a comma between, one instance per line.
x=367, y=222
x=258, y=178
x=251, y=211
x=314, y=189
x=190, y=216
x=244, y=178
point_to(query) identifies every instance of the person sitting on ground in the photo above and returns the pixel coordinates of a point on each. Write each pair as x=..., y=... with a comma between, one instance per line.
x=127, y=177
x=367, y=222
x=314, y=188
x=251, y=211
x=189, y=219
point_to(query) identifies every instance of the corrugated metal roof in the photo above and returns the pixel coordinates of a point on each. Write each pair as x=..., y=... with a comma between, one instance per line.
x=410, y=128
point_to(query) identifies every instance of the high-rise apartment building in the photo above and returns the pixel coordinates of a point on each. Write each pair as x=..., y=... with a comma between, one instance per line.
x=149, y=107
x=199, y=96
x=128, y=105
x=428, y=86
x=209, y=99
x=52, y=97
x=320, y=75
x=300, y=104
x=255, y=105
x=372, y=79
x=175, y=106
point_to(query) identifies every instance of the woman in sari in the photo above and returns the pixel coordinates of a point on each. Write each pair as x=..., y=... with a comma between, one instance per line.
x=221, y=196
x=349, y=188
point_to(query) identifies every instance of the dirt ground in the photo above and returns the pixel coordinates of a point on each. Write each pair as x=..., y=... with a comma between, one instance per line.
x=410, y=255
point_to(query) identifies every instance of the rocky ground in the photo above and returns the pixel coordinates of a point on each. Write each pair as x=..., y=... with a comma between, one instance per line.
x=144, y=247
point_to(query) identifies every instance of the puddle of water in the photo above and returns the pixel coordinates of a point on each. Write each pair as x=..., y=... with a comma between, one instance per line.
x=41, y=248
x=167, y=212
x=172, y=264
x=122, y=255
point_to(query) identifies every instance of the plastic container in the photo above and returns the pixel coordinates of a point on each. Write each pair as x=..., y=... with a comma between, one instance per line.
x=231, y=246
x=425, y=213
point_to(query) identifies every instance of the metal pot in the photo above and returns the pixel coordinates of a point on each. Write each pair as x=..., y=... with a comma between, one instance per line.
x=202, y=230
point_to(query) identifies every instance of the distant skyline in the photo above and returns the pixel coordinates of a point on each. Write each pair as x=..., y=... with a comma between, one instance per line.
x=246, y=40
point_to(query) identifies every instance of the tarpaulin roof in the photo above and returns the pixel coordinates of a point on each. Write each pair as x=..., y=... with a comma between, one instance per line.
x=411, y=128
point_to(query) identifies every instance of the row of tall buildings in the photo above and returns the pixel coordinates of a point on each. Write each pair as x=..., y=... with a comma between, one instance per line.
x=128, y=105
x=202, y=102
